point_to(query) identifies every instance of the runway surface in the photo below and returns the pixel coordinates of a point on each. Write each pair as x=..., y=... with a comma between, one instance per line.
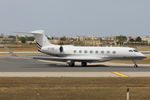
x=29, y=67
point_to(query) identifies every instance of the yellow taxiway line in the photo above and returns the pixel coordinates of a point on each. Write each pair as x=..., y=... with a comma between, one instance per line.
x=120, y=74
x=148, y=57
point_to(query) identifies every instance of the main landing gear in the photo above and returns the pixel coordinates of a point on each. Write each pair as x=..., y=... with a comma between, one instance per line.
x=135, y=64
x=71, y=63
x=84, y=64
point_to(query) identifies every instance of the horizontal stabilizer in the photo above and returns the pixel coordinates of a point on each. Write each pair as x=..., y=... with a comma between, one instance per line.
x=33, y=32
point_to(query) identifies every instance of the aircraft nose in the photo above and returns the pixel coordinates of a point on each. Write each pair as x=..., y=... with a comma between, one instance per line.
x=142, y=56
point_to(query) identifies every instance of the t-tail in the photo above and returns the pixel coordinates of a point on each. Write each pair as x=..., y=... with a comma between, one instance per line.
x=40, y=37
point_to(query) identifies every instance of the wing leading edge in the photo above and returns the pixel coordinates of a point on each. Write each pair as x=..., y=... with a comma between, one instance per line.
x=73, y=58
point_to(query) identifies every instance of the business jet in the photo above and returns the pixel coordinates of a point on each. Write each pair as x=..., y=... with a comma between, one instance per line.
x=83, y=54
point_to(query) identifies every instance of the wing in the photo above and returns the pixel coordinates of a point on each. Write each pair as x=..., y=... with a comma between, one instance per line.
x=74, y=58
x=64, y=59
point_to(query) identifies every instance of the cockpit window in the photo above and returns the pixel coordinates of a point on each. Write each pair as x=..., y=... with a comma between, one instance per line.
x=130, y=51
x=135, y=50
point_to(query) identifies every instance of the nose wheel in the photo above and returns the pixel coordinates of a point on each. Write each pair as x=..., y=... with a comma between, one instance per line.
x=135, y=64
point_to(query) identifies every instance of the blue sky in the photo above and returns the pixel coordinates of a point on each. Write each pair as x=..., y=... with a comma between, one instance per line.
x=76, y=17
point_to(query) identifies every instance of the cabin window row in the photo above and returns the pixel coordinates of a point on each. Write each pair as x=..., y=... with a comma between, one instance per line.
x=85, y=51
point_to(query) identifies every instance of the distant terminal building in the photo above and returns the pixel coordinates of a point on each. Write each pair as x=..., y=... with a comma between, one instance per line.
x=7, y=39
x=111, y=40
x=146, y=38
x=87, y=40
x=83, y=38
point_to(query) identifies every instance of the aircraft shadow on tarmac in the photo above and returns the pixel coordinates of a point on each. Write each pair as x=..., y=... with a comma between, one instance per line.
x=98, y=65
x=54, y=65
x=95, y=65
x=62, y=65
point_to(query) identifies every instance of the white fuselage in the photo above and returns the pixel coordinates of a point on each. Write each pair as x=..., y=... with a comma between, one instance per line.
x=89, y=51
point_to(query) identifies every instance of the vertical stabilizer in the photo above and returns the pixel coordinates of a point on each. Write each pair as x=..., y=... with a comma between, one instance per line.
x=41, y=38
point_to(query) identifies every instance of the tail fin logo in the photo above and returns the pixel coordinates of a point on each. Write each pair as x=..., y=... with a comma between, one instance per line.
x=38, y=46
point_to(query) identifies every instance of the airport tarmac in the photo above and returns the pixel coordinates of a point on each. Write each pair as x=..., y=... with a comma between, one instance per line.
x=15, y=67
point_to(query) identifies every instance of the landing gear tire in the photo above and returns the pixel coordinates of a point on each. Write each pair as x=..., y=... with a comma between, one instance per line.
x=135, y=65
x=71, y=64
x=84, y=64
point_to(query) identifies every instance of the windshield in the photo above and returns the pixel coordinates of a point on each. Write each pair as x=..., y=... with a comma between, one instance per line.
x=135, y=50
x=130, y=51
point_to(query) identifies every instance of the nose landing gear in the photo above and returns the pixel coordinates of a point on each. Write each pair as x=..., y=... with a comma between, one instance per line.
x=135, y=64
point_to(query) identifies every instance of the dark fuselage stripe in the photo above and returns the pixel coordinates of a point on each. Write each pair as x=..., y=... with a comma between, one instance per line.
x=38, y=48
x=38, y=44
